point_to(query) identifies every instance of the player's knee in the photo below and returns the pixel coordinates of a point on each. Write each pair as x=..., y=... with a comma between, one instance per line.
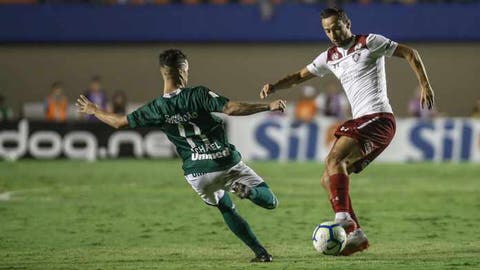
x=332, y=161
x=272, y=204
x=325, y=181
x=225, y=204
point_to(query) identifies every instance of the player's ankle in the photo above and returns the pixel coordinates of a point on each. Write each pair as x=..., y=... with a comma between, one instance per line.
x=259, y=250
x=342, y=216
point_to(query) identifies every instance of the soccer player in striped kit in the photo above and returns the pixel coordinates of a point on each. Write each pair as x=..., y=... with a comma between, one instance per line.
x=358, y=61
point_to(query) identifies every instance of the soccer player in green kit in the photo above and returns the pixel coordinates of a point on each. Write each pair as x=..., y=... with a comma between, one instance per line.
x=211, y=164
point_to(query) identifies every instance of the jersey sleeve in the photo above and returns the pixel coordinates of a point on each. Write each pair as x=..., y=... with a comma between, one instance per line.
x=380, y=45
x=210, y=101
x=319, y=66
x=146, y=116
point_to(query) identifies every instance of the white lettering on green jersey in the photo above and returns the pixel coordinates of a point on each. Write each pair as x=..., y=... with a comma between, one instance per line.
x=185, y=115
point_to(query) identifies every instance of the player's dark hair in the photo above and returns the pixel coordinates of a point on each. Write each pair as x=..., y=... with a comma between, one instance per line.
x=340, y=13
x=172, y=58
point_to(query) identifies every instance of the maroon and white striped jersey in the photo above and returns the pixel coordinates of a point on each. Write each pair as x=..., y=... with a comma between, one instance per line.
x=360, y=67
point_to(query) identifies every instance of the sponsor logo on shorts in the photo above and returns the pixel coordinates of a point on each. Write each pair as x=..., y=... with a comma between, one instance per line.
x=368, y=147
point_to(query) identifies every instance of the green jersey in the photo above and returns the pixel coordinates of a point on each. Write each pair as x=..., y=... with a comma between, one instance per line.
x=199, y=136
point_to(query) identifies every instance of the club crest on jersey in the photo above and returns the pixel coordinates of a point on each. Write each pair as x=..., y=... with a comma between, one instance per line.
x=335, y=56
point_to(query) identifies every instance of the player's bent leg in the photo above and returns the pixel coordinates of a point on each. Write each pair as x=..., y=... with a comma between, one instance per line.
x=241, y=229
x=263, y=196
x=326, y=185
x=260, y=195
x=344, y=152
x=350, y=206
x=325, y=182
x=248, y=185
x=356, y=240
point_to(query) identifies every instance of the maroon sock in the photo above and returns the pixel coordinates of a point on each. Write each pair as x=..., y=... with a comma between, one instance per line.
x=351, y=212
x=339, y=192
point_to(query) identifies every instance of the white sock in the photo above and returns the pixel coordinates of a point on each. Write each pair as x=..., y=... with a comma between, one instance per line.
x=342, y=216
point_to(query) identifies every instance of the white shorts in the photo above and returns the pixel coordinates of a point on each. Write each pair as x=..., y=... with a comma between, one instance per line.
x=212, y=186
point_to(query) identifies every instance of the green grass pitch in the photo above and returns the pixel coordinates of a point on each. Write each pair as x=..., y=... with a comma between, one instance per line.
x=129, y=214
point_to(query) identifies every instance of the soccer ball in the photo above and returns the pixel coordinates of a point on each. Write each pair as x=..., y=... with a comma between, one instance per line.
x=329, y=238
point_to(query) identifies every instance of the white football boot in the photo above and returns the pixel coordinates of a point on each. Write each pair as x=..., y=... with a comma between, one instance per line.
x=356, y=241
x=348, y=224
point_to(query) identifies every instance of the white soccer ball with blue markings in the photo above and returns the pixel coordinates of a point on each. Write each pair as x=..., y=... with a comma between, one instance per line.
x=329, y=238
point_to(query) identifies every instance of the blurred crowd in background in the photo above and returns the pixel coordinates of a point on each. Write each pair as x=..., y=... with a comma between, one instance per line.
x=57, y=108
x=328, y=102
x=141, y=2
x=332, y=102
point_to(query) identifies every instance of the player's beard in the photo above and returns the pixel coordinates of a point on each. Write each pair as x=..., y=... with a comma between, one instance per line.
x=344, y=42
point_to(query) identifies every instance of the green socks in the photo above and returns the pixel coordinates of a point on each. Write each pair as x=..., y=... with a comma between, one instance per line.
x=261, y=195
x=238, y=225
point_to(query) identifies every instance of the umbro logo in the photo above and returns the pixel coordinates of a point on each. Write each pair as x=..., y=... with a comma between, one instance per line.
x=356, y=56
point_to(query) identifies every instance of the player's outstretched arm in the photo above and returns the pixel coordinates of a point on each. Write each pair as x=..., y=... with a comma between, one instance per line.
x=413, y=58
x=286, y=82
x=239, y=108
x=114, y=120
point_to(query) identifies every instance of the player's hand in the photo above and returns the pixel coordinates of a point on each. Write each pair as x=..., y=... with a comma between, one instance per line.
x=278, y=105
x=428, y=97
x=266, y=90
x=85, y=106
